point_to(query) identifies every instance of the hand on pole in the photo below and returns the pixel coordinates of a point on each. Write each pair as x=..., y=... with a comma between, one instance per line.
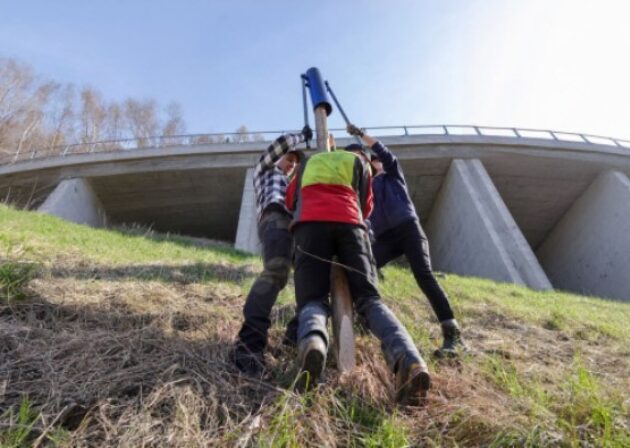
x=331, y=142
x=307, y=132
x=355, y=131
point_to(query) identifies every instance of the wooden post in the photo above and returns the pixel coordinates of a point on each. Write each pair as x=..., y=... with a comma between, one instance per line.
x=340, y=297
x=321, y=129
x=341, y=300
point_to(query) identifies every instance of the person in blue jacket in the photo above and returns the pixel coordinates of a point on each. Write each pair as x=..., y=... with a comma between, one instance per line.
x=397, y=231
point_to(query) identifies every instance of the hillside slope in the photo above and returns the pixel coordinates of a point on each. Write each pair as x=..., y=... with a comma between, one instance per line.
x=122, y=338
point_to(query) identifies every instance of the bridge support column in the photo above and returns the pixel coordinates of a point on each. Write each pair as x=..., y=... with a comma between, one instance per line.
x=75, y=200
x=247, y=232
x=588, y=251
x=472, y=232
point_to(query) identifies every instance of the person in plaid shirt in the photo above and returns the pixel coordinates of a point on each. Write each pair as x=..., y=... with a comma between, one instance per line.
x=271, y=178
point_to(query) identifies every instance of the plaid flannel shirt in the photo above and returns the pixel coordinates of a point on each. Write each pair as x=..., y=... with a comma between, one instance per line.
x=270, y=183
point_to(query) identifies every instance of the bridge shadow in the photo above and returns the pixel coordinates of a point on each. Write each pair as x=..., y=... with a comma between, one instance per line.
x=216, y=246
x=185, y=273
x=182, y=274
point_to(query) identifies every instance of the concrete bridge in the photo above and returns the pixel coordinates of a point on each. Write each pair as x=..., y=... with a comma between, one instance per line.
x=542, y=209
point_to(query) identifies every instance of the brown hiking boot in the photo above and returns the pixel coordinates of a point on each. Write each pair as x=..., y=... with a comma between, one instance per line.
x=312, y=359
x=412, y=383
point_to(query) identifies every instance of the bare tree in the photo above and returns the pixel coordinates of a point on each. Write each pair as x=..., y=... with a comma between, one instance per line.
x=44, y=116
x=16, y=81
x=142, y=121
x=202, y=139
x=92, y=116
x=174, y=124
x=61, y=117
x=30, y=125
x=114, y=126
x=242, y=134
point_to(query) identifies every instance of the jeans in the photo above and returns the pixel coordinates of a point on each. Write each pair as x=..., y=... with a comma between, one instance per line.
x=277, y=252
x=315, y=244
x=409, y=239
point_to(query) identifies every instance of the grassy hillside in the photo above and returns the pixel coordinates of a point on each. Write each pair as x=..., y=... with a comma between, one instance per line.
x=121, y=338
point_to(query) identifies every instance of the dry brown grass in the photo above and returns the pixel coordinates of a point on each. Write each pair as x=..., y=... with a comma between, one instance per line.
x=139, y=356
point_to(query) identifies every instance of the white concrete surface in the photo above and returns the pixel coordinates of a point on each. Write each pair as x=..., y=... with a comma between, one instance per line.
x=247, y=231
x=471, y=231
x=75, y=200
x=588, y=251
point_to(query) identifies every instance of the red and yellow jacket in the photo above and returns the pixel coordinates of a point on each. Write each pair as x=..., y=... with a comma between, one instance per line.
x=331, y=186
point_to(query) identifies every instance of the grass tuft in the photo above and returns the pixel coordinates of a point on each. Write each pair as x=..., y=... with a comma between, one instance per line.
x=588, y=413
x=19, y=430
x=14, y=276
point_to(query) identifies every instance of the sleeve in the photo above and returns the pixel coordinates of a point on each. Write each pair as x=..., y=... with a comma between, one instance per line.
x=389, y=160
x=290, y=196
x=365, y=189
x=276, y=150
x=369, y=203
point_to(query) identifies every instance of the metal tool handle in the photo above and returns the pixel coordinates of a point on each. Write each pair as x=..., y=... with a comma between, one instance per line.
x=343, y=114
x=304, y=103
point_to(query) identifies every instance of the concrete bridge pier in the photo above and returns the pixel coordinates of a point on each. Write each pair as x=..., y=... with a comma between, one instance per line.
x=75, y=200
x=588, y=251
x=247, y=231
x=472, y=232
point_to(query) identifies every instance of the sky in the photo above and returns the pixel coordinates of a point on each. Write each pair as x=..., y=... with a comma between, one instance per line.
x=550, y=64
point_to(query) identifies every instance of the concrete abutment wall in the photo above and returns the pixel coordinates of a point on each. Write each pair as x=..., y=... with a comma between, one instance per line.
x=472, y=232
x=588, y=251
x=247, y=232
x=75, y=200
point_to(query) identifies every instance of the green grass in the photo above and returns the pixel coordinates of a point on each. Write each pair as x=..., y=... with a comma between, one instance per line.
x=14, y=276
x=45, y=236
x=554, y=310
x=584, y=403
x=19, y=433
x=548, y=368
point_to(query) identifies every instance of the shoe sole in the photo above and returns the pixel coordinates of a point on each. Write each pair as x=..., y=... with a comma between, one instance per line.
x=445, y=354
x=312, y=368
x=414, y=391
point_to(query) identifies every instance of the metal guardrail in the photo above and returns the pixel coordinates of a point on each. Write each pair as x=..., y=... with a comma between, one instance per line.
x=265, y=136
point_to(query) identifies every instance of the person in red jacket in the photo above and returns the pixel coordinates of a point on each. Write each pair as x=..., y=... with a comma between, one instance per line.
x=330, y=199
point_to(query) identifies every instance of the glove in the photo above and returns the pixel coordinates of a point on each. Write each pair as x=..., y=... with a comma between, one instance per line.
x=307, y=133
x=353, y=130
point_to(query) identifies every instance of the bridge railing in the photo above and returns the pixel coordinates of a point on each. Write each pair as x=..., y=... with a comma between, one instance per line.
x=132, y=144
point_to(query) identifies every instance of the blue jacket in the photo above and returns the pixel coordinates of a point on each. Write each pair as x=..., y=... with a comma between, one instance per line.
x=392, y=204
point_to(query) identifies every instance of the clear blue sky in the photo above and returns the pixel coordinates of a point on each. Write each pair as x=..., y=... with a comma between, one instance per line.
x=560, y=64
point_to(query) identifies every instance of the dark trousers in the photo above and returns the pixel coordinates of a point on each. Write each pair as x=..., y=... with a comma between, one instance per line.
x=409, y=239
x=277, y=251
x=316, y=243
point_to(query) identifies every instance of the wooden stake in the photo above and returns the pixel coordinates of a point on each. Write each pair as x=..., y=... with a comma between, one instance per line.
x=341, y=299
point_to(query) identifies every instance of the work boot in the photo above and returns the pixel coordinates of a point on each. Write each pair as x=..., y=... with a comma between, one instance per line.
x=289, y=340
x=453, y=343
x=412, y=382
x=290, y=335
x=248, y=362
x=312, y=359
